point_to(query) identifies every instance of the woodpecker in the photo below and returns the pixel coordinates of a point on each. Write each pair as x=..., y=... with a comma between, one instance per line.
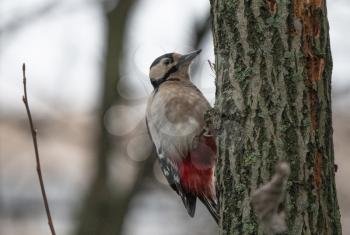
x=185, y=146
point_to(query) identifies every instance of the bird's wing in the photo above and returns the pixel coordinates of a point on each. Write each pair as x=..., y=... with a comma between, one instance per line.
x=174, y=118
x=170, y=171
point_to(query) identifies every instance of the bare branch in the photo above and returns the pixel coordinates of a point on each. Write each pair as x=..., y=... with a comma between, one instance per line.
x=212, y=66
x=38, y=168
x=267, y=199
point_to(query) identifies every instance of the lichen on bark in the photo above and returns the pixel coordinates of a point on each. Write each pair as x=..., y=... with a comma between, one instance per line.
x=273, y=102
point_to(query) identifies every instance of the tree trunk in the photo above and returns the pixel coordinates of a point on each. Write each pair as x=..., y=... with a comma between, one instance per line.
x=104, y=207
x=273, y=101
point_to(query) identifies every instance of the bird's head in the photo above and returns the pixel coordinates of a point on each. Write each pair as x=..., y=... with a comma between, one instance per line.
x=171, y=65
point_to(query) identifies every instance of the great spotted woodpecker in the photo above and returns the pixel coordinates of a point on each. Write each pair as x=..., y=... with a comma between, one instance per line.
x=175, y=120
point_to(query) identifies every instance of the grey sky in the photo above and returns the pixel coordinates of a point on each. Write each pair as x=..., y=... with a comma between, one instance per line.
x=64, y=50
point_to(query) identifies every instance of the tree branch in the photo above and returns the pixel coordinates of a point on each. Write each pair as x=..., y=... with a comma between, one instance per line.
x=38, y=168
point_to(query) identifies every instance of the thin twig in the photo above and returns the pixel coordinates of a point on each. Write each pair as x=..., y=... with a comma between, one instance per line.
x=38, y=168
x=211, y=65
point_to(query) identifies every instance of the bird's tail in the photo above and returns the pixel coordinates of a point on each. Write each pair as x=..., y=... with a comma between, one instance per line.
x=212, y=206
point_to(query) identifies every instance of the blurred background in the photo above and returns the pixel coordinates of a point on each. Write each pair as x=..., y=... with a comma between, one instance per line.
x=87, y=69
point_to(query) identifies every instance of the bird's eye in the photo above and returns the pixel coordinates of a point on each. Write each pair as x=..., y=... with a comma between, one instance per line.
x=166, y=62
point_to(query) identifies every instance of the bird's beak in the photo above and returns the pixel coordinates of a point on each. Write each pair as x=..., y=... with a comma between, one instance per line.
x=186, y=59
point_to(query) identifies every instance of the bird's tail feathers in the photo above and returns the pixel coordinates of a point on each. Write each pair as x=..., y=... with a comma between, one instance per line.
x=212, y=207
x=189, y=201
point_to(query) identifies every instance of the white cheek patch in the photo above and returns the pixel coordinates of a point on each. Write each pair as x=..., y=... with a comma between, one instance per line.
x=157, y=72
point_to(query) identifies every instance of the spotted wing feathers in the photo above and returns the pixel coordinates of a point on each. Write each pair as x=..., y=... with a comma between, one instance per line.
x=170, y=171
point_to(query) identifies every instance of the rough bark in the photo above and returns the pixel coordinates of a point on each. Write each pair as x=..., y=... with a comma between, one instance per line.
x=273, y=101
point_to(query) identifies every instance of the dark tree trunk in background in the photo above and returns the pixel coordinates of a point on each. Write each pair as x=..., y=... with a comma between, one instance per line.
x=273, y=101
x=105, y=205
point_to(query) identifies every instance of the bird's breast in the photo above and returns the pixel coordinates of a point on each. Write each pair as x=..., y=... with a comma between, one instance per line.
x=175, y=115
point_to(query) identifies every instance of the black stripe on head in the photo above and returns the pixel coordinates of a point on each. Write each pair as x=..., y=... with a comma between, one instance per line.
x=156, y=83
x=168, y=55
